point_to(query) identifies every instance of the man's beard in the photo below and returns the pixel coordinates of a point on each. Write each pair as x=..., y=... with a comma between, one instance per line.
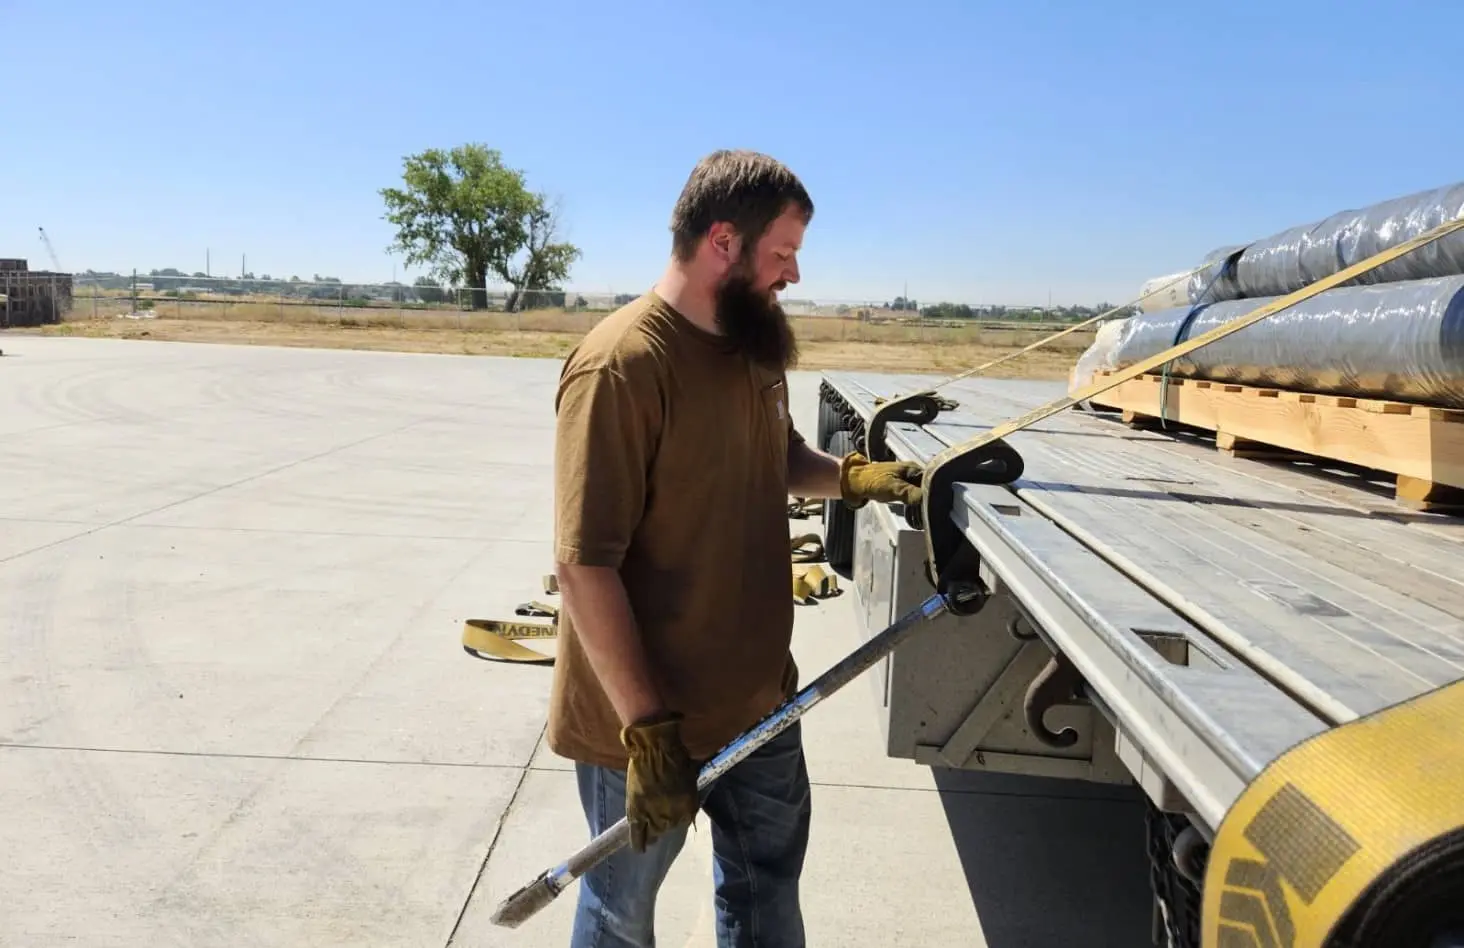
x=754, y=323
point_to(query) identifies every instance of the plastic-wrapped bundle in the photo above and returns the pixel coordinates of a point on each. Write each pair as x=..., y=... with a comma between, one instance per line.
x=1097, y=356
x=1294, y=258
x=1215, y=271
x=1401, y=341
x=1162, y=292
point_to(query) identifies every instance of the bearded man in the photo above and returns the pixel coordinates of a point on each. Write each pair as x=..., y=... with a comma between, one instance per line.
x=675, y=455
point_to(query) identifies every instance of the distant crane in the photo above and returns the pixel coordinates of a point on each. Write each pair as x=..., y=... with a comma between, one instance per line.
x=50, y=250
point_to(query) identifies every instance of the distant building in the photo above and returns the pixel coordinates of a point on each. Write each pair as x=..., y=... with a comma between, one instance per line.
x=32, y=297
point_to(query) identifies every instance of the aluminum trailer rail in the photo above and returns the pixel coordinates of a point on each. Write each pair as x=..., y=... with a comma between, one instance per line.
x=1218, y=610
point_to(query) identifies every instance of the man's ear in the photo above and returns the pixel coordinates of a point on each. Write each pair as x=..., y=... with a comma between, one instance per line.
x=725, y=243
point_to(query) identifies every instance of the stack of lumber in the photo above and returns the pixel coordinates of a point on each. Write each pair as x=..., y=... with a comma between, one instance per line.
x=1370, y=373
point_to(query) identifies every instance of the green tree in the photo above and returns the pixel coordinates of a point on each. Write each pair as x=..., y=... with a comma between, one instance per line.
x=466, y=215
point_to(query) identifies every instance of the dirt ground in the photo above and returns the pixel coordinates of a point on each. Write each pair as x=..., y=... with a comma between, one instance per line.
x=937, y=355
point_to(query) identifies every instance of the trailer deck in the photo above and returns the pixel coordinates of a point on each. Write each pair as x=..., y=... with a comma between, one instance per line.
x=1297, y=602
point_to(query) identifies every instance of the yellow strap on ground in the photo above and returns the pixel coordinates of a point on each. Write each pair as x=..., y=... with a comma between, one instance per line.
x=497, y=640
x=1358, y=817
x=806, y=548
x=813, y=581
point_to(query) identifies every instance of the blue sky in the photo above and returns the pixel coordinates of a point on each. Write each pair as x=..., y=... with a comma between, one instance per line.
x=974, y=151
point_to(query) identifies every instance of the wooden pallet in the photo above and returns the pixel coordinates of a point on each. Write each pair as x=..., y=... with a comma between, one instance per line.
x=1423, y=446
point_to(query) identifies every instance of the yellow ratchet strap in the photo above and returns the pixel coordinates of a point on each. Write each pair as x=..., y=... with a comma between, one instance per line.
x=811, y=579
x=497, y=640
x=1352, y=839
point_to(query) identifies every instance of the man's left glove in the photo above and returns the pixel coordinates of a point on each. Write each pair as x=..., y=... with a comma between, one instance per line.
x=862, y=480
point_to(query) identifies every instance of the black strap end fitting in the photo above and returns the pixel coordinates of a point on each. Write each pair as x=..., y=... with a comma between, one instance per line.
x=919, y=408
x=952, y=563
x=965, y=594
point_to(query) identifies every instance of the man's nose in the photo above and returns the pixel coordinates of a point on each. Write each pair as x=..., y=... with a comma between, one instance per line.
x=790, y=272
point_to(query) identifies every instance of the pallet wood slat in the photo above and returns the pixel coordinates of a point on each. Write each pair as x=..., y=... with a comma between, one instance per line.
x=1421, y=444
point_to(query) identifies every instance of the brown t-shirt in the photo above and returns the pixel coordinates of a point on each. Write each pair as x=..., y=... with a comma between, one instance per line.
x=671, y=465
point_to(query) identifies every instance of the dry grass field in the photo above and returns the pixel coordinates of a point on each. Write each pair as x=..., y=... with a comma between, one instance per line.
x=825, y=342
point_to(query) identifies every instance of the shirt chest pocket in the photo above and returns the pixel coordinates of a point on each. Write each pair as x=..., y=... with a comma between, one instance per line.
x=774, y=417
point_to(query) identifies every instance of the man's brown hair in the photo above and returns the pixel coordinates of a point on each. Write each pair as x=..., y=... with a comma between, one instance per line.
x=747, y=189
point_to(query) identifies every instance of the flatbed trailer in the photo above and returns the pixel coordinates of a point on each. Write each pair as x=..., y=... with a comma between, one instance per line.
x=1162, y=614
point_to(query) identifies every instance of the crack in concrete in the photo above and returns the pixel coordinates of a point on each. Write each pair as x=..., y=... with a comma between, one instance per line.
x=493, y=843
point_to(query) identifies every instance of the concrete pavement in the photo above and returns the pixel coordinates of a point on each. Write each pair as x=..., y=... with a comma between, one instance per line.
x=235, y=712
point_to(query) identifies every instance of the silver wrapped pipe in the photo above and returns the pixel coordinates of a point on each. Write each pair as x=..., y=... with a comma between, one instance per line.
x=1296, y=257
x=1402, y=341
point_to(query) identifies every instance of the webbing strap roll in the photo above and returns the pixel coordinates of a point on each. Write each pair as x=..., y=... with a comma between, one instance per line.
x=1352, y=838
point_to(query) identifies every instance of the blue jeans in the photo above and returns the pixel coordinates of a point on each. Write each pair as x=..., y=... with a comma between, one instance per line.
x=759, y=813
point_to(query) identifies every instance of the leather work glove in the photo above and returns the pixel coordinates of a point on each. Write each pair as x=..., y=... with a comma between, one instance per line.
x=660, y=783
x=862, y=480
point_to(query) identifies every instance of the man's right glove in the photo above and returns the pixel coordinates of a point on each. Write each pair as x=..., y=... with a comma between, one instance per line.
x=660, y=783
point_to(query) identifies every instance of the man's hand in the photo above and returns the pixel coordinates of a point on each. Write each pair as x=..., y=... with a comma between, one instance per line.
x=862, y=480
x=660, y=784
